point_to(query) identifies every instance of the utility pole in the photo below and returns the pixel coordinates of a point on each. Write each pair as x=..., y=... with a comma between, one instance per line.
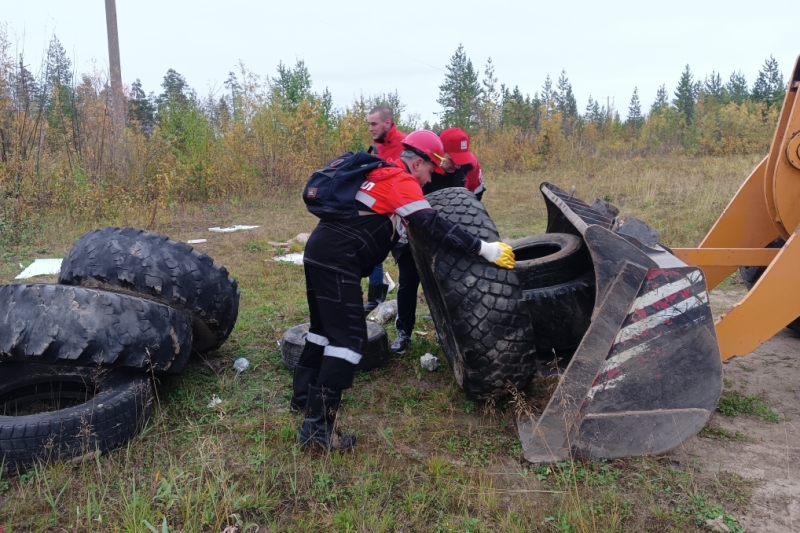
x=117, y=97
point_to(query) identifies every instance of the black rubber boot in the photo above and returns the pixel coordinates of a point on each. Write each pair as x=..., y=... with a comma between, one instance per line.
x=303, y=377
x=376, y=294
x=318, y=426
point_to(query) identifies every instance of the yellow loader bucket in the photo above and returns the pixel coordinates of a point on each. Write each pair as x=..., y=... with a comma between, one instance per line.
x=647, y=374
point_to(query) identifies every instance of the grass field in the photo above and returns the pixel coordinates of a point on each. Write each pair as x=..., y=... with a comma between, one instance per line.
x=427, y=458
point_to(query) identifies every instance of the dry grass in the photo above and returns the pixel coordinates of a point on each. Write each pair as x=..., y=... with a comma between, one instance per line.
x=427, y=460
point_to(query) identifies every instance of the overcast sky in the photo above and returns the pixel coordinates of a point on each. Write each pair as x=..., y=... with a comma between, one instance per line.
x=369, y=47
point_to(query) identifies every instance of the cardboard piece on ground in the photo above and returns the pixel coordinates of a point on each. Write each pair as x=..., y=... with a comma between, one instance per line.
x=41, y=267
x=297, y=259
x=231, y=229
x=196, y=241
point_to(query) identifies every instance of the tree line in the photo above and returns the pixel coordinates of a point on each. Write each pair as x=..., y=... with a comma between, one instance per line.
x=264, y=133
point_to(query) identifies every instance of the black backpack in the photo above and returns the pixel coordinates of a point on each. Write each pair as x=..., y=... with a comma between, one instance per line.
x=330, y=192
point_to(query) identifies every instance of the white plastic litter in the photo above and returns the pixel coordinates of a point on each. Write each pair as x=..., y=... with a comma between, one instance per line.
x=384, y=312
x=387, y=280
x=429, y=361
x=241, y=364
x=231, y=229
x=197, y=241
x=297, y=259
x=215, y=401
x=41, y=267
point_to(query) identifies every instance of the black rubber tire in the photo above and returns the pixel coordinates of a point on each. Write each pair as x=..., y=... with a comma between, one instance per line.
x=376, y=354
x=561, y=314
x=109, y=408
x=152, y=266
x=484, y=329
x=57, y=324
x=549, y=259
x=750, y=275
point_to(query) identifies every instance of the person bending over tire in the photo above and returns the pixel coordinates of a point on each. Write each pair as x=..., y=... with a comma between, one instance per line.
x=460, y=169
x=339, y=253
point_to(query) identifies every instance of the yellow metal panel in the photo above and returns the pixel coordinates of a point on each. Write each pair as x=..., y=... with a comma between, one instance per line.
x=780, y=195
x=728, y=257
x=745, y=223
x=770, y=305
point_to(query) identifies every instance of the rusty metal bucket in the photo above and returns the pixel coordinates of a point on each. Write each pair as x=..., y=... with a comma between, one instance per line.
x=647, y=374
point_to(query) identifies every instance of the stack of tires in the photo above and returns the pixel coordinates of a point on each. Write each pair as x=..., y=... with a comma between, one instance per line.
x=129, y=305
x=496, y=326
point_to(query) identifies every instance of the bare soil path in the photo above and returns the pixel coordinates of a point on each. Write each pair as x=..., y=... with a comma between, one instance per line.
x=769, y=453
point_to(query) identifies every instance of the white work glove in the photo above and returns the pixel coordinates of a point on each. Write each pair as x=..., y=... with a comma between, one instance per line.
x=499, y=253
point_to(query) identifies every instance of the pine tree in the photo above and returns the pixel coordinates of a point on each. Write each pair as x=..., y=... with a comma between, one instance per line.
x=769, y=86
x=566, y=104
x=686, y=95
x=141, y=109
x=635, y=111
x=57, y=95
x=589, y=108
x=547, y=95
x=661, y=99
x=460, y=93
x=235, y=96
x=490, y=100
x=292, y=85
x=713, y=86
x=177, y=92
x=736, y=88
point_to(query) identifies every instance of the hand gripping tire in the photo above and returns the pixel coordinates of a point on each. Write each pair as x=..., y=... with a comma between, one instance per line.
x=484, y=328
x=549, y=259
x=376, y=354
x=152, y=266
x=104, y=409
x=750, y=275
x=58, y=324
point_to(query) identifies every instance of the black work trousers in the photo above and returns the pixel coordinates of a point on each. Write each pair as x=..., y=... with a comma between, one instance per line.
x=408, y=285
x=337, y=335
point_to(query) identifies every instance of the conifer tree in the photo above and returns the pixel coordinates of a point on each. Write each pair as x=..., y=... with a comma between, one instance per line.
x=460, y=93
x=713, y=87
x=661, y=99
x=736, y=88
x=292, y=85
x=490, y=98
x=686, y=95
x=635, y=110
x=566, y=104
x=141, y=109
x=769, y=86
x=547, y=95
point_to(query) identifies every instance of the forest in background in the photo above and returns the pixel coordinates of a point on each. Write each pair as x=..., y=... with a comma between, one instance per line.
x=267, y=133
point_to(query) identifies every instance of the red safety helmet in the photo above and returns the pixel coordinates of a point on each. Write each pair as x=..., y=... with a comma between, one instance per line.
x=428, y=146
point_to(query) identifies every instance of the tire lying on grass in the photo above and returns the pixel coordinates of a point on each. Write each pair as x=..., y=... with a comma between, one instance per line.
x=54, y=412
x=549, y=259
x=750, y=275
x=152, y=266
x=484, y=328
x=57, y=324
x=561, y=315
x=376, y=354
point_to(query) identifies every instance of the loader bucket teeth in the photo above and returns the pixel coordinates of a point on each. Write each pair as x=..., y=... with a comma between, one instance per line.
x=647, y=374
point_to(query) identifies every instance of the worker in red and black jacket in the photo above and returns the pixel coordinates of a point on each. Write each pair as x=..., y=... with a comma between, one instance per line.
x=461, y=169
x=388, y=145
x=339, y=253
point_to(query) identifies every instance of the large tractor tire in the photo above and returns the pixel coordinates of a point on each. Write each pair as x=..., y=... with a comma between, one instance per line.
x=750, y=275
x=58, y=324
x=376, y=353
x=561, y=314
x=152, y=266
x=549, y=259
x=54, y=412
x=484, y=328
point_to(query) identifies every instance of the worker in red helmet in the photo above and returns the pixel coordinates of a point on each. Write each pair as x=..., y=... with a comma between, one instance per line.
x=388, y=145
x=461, y=162
x=339, y=253
x=460, y=169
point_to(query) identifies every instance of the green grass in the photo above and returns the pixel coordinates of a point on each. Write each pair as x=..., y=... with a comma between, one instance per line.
x=733, y=403
x=427, y=459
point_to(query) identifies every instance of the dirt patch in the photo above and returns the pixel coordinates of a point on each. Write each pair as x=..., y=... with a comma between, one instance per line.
x=769, y=453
